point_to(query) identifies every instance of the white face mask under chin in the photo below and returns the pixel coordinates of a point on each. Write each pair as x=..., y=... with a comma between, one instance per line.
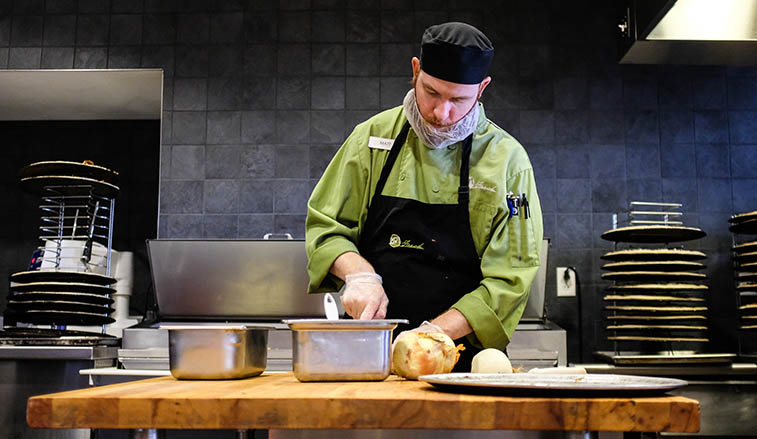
x=436, y=138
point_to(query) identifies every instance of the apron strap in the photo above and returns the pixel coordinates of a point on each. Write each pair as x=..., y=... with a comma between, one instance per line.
x=393, y=153
x=463, y=191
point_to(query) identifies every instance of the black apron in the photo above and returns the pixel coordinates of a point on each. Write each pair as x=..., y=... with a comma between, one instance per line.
x=424, y=252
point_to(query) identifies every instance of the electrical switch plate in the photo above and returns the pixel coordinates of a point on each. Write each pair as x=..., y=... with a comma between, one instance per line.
x=566, y=282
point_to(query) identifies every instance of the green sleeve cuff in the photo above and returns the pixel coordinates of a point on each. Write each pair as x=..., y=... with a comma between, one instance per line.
x=321, y=260
x=487, y=328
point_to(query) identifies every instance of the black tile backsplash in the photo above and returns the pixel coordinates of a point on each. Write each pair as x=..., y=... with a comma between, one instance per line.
x=226, y=27
x=676, y=126
x=126, y=30
x=328, y=59
x=326, y=127
x=90, y=58
x=24, y=57
x=60, y=30
x=5, y=30
x=258, y=96
x=26, y=30
x=742, y=127
x=223, y=93
x=158, y=29
x=221, y=196
x=60, y=6
x=224, y=127
x=123, y=57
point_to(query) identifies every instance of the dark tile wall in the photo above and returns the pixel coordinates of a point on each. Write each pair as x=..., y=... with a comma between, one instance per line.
x=259, y=95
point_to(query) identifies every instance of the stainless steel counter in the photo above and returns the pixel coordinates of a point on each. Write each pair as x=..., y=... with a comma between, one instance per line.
x=107, y=353
x=26, y=371
x=727, y=393
x=720, y=371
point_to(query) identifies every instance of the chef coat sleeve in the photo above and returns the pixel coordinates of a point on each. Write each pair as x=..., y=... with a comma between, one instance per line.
x=336, y=210
x=508, y=263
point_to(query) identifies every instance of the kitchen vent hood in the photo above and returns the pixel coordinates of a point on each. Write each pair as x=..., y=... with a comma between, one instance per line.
x=701, y=32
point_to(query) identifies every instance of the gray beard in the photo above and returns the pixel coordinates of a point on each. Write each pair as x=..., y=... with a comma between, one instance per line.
x=436, y=138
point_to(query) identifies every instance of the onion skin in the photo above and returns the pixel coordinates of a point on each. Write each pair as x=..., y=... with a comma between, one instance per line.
x=424, y=353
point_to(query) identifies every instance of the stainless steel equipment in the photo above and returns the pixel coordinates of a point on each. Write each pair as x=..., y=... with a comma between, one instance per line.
x=235, y=280
x=537, y=341
x=689, y=32
x=256, y=282
x=42, y=361
x=266, y=281
x=342, y=350
x=216, y=352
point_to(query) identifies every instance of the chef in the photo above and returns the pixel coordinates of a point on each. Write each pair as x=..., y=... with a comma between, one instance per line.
x=429, y=211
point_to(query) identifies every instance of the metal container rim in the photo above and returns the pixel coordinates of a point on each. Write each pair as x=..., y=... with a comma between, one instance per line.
x=234, y=327
x=342, y=325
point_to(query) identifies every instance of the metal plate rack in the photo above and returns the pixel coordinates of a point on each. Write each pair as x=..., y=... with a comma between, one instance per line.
x=656, y=306
x=68, y=280
x=743, y=228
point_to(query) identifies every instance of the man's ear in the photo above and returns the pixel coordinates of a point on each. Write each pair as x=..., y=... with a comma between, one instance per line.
x=416, y=65
x=483, y=85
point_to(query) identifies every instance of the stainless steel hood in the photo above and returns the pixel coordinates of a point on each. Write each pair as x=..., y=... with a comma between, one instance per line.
x=696, y=32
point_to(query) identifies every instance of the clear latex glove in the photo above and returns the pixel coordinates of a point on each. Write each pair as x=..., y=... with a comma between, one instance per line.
x=364, y=297
x=426, y=327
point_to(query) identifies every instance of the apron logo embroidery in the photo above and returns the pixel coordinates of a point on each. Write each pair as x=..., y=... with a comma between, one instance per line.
x=473, y=184
x=395, y=241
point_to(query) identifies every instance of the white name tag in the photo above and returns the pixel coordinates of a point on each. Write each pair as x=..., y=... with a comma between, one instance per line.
x=380, y=143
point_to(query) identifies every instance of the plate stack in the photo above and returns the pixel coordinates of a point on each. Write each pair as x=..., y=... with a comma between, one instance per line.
x=68, y=282
x=61, y=298
x=745, y=272
x=658, y=293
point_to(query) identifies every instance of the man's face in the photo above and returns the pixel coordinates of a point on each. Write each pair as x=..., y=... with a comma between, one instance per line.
x=443, y=103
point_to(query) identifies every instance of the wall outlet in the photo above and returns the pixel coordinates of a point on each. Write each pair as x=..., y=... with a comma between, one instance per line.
x=566, y=282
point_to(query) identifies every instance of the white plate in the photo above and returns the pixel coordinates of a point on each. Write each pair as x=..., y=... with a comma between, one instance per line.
x=542, y=382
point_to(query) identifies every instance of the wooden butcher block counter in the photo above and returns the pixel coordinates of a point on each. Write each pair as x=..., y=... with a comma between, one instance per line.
x=278, y=400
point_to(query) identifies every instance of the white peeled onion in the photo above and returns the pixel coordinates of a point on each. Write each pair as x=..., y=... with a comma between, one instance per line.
x=422, y=353
x=491, y=361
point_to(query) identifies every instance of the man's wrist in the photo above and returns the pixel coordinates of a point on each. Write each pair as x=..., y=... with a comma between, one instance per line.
x=350, y=263
x=453, y=323
x=364, y=276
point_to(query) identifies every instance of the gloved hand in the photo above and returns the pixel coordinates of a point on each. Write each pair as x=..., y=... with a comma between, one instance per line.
x=426, y=326
x=364, y=297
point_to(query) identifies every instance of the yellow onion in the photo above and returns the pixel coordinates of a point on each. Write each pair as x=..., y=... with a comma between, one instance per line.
x=424, y=353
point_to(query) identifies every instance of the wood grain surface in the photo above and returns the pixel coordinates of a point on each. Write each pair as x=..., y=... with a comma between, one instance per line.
x=280, y=401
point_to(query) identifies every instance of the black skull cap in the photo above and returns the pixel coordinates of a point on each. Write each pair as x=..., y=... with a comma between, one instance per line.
x=456, y=52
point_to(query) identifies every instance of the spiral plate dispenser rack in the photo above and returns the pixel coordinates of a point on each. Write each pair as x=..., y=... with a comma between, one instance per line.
x=743, y=227
x=69, y=280
x=656, y=306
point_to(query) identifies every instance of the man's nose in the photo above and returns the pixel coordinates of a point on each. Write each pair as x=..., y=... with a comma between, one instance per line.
x=442, y=110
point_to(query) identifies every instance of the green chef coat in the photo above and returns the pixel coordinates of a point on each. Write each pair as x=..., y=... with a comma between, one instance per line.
x=508, y=247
